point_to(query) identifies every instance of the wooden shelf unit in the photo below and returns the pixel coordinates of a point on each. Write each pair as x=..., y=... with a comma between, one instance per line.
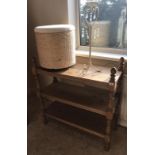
x=92, y=107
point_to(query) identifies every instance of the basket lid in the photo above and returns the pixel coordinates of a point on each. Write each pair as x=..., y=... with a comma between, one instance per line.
x=54, y=28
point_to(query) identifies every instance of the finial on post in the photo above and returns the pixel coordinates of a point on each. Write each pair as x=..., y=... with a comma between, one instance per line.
x=113, y=74
x=121, y=65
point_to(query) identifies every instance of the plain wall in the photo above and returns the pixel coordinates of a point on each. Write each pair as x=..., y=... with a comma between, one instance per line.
x=42, y=12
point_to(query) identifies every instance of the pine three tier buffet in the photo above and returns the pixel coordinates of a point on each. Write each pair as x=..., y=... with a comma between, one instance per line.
x=92, y=105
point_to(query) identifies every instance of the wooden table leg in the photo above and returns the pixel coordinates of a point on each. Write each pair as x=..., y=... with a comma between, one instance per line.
x=36, y=78
x=107, y=138
x=45, y=119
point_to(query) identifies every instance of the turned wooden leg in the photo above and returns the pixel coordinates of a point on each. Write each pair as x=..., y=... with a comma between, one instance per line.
x=107, y=139
x=55, y=80
x=107, y=143
x=116, y=116
x=45, y=119
x=118, y=104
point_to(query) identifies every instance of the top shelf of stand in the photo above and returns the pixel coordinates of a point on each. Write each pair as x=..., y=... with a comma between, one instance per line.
x=96, y=75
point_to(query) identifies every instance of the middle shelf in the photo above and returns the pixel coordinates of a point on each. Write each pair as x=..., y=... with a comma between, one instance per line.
x=83, y=97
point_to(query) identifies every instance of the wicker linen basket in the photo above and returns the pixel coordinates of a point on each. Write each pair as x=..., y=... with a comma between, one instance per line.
x=56, y=46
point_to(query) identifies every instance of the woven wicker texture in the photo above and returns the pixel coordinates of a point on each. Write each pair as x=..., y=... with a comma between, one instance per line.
x=56, y=50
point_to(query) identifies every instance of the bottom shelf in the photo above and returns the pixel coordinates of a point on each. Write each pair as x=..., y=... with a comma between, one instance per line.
x=84, y=120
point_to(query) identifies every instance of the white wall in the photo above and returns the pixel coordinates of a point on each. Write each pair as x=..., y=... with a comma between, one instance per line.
x=48, y=11
x=42, y=12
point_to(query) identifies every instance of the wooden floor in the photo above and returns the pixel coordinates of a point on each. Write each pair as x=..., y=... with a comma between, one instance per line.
x=58, y=139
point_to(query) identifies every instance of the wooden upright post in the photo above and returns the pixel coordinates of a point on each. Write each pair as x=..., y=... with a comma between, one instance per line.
x=36, y=77
x=112, y=78
x=121, y=65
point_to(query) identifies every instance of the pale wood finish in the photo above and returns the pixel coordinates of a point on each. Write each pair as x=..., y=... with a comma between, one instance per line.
x=98, y=76
x=81, y=103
